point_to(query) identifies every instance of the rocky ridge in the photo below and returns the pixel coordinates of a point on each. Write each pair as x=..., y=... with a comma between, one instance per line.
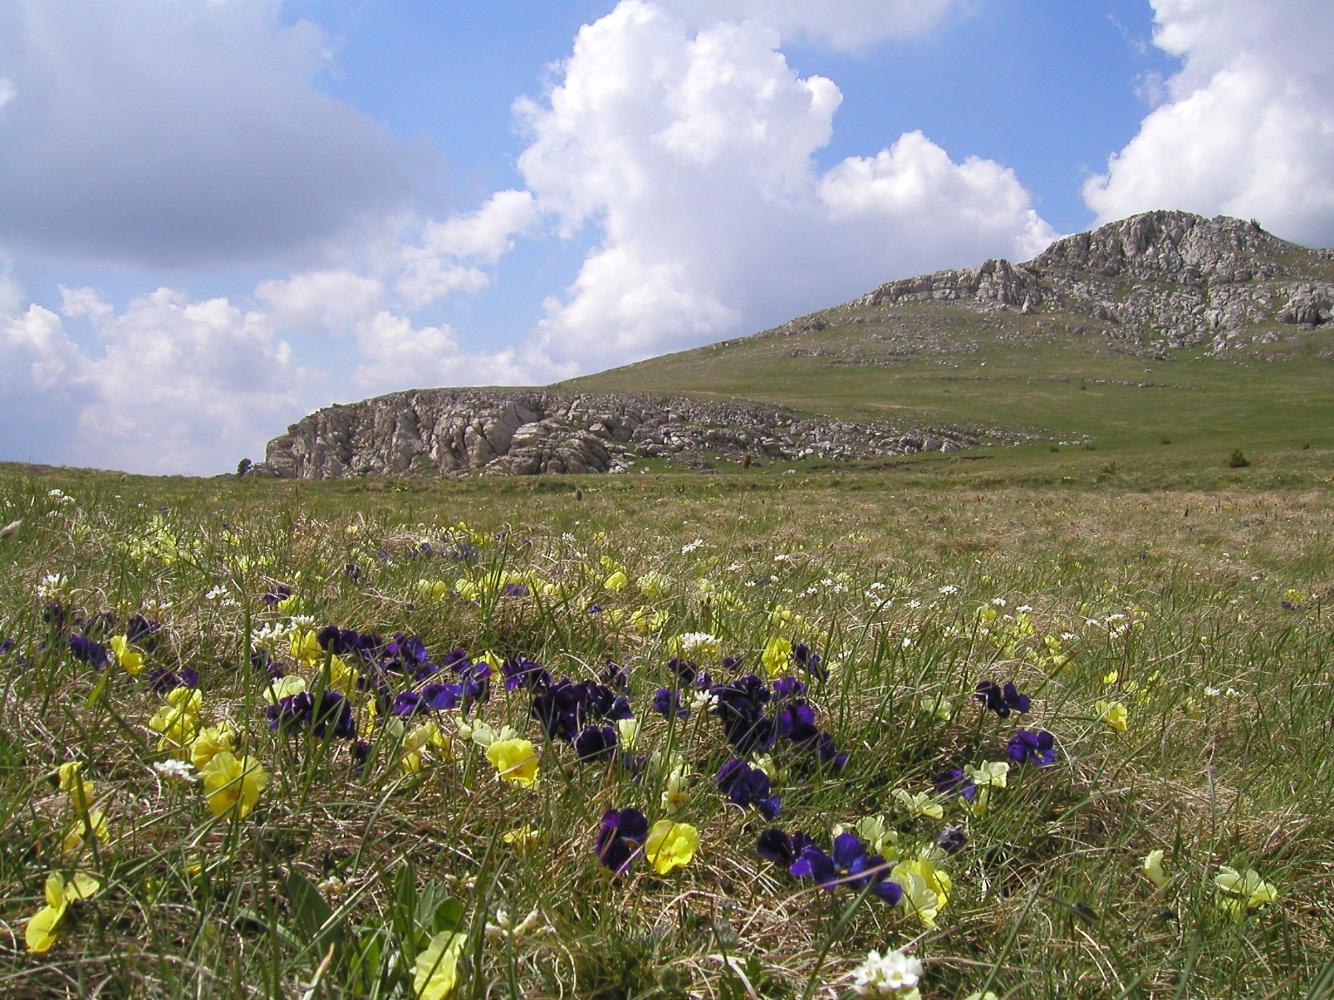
x=528, y=431
x=1154, y=282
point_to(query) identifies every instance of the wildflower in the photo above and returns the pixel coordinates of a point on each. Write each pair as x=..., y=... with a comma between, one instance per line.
x=211, y=741
x=670, y=845
x=991, y=773
x=521, y=836
x=955, y=782
x=949, y=589
x=951, y=840
x=627, y=731
x=91, y=823
x=305, y=647
x=615, y=583
x=514, y=760
x=1239, y=892
x=1114, y=714
x=436, y=970
x=888, y=975
x=747, y=786
x=873, y=831
x=695, y=645
x=919, y=803
x=849, y=864
x=127, y=657
x=1030, y=746
x=596, y=743
x=232, y=785
x=690, y=547
x=46, y=923
x=1152, y=867
x=284, y=687
x=177, y=721
x=674, y=791
x=926, y=888
x=1002, y=700
x=653, y=584
x=176, y=770
x=620, y=835
x=782, y=848
x=667, y=702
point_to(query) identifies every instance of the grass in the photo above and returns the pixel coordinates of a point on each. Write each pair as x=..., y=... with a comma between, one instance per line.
x=1193, y=594
x=946, y=365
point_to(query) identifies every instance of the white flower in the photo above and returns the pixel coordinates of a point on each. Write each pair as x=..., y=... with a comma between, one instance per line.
x=689, y=547
x=52, y=586
x=914, y=604
x=948, y=589
x=1024, y=609
x=216, y=594
x=884, y=975
x=703, y=701
x=907, y=641
x=177, y=770
x=998, y=602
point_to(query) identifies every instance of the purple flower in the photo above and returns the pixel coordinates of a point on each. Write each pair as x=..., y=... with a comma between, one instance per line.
x=330, y=715
x=788, y=687
x=748, y=786
x=781, y=848
x=596, y=743
x=667, y=702
x=849, y=865
x=1000, y=700
x=1030, y=746
x=278, y=593
x=523, y=672
x=621, y=834
x=90, y=652
x=812, y=661
x=955, y=782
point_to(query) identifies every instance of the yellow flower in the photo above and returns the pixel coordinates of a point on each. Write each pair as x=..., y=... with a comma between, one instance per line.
x=127, y=657
x=919, y=804
x=211, y=741
x=992, y=773
x=926, y=888
x=1152, y=867
x=94, y=822
x=177, y=721
x=777, y=656
x=676, y=792
x=305, y=647
x=1111, y=677
x=615, y=583
x=1114, y=714
x=653, y=584
x=1242, y=891
x=646, y=621
x=341, y=677
x=45, y=925
x=417, y=739
x=521, y=836
x=627, y=731
x=284, y=687
x=289, y=605
x=437, y=968
x=432, y=590
x=232, y=784
x=670, y=845
x=514, y=760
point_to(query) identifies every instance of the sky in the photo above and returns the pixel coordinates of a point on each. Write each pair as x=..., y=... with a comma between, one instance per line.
x=219, y=215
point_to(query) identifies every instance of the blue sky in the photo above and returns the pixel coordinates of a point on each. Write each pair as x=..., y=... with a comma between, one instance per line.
x=217, y=215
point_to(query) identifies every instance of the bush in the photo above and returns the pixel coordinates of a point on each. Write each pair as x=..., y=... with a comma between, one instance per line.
x=1238, y=460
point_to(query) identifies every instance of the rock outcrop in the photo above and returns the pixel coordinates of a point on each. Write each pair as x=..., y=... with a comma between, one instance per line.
x=1156, y=282
x=527, y=431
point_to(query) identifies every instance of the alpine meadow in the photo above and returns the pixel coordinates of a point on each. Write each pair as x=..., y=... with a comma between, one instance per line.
x=667, y=500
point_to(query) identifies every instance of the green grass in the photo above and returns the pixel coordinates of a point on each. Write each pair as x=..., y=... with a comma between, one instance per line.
x=944, y=365
x=340, y=876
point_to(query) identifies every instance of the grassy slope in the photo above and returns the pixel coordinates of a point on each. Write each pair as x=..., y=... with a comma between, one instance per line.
x=945, y=365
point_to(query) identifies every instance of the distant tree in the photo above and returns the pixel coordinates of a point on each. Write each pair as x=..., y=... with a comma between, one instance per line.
x=242, y=467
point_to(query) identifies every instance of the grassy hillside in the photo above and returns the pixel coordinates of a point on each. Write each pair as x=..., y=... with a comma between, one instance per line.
x=1059, y=376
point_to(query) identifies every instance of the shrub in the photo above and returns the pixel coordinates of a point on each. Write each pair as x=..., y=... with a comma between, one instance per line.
x=1238, y=459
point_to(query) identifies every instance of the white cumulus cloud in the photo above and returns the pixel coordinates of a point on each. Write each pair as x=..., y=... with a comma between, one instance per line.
x=692, y=152
x=1247, y=124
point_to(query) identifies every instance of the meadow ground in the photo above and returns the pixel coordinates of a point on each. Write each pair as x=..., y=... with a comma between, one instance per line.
x=262, y=806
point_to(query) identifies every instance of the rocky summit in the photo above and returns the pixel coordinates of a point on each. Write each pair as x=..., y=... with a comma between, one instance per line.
x=1155, y=282
x=529, y=431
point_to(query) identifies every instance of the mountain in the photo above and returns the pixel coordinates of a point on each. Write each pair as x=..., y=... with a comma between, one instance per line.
x=1233, y=325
